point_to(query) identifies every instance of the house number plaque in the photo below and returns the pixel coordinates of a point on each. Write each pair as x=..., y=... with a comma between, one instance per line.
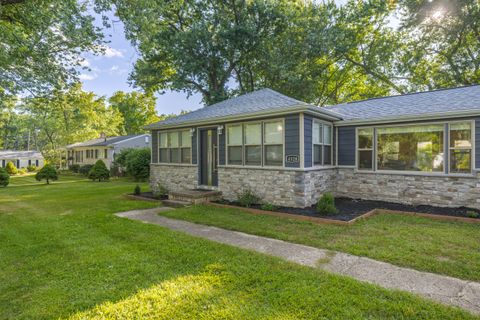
x=292, y=159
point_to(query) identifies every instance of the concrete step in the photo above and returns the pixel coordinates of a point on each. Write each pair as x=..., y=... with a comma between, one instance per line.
x=195, y=196
x=176, y=203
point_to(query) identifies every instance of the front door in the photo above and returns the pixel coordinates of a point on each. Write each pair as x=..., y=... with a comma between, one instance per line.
x=208, y=157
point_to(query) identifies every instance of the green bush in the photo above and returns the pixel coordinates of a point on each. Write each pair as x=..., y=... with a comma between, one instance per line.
x=99, y=172
x=48, y=172
x=11, y=169
x=247, y=198
x=31, y=168
x=85, y=170
x=75, y=168
x=121, y=158
x=4, y=178
x=137, y=190
x=268, y=206
x=472, y=214
x=22, y=171
x=161, y=191
x=326, y=205
x=137, y=163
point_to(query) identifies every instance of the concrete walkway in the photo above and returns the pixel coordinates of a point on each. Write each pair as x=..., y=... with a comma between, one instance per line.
x=443, y=289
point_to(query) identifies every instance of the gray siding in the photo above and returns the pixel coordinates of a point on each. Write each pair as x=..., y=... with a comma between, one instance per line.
x=292, y=139
x=307, y=141
x=346, y=146
x=477, y=143
x=137, y=142
x=221, y=146
x=154, y=135
x=194, y=147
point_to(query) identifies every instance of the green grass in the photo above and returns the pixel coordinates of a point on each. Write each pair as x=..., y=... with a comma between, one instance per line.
x=450, y=248
x=63, y=254
x=29, y=179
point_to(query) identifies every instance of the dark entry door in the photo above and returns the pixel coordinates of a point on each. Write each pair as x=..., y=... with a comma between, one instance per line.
x=208, y=157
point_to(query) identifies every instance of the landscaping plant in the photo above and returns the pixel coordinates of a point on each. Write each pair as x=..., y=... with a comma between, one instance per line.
x=22, y=171
x=75, y=168
x=473, y=214
x=137, y=190
x=326, y=204
x=4, y=177
x=99, y=172
x=137, y=163
x=48, y=172
x=268, y=206
x=85, y=170
x=31, y=168
x=247, y=198
x=11, y=169
x=161, y=191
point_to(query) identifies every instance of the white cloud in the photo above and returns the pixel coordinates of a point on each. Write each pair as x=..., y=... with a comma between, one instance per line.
x=87, y=77
x=85, y=63
x=112, y=53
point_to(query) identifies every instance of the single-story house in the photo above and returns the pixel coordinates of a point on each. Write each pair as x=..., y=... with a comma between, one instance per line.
x=419, y=148
x=21, y=159
x=104, y=148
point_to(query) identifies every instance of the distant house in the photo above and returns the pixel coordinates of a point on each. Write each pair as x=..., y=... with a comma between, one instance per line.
x=104, y=148
x=21, y=159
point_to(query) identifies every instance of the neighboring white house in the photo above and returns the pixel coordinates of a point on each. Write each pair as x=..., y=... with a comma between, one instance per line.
x=104, y=148
x=21, y=159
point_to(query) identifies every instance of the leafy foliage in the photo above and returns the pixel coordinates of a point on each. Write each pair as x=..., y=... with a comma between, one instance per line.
x=268, y=206
x=31, y=168
x=4, y=177
x=85, y=169
x=48, y=172
x=247, y=198
x=137, y=163
x=75, y=168
x=11, y=168
x=326, y=204
x=161, y=190
x=137, y=190
x=99, y=172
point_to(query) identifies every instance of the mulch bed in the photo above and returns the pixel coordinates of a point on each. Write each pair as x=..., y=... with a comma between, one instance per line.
x=350, y=209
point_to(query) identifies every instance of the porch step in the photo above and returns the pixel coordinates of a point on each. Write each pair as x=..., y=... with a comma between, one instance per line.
x=176, y=203
x=195, y=196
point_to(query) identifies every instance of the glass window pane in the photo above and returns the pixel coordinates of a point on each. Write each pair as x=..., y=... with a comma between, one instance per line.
x=327, y=134
x=253, y=155
x=460, y=161
x=274, y=132
x=411, y=148
x=163, y=155
x=235, y=155
x=175, y=155
x=186, y=155
x=163, y=140
x=317, y=154
x=173, y=139
x=365, y=138
x=186, y=139
x=365, y=160
x=327, y=156
x=234, y=135
x=253, y=133
x=317, y=133
x=461, y=135
x=274, y=155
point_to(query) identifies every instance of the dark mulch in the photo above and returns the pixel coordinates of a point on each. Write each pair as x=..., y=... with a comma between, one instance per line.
x=150, y=195
x=349, y=209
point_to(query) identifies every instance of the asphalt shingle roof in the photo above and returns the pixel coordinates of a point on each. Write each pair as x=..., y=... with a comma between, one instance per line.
x=421, y=103
x=101, y=142
x=10, y=154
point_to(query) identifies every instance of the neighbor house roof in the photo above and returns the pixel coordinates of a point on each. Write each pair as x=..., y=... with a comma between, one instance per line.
x=104, y=142
x=455, y=101
x=13, y=154
x=257, y=103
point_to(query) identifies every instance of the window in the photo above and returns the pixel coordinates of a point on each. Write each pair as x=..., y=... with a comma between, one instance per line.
x=253, y=144
x=365, y=149
x=105, y=153
x=234, y=142
x=175, y=147
x=411, y=148
x=273, y=143
x=96, y=153
x=460, y=147
x=322, y=144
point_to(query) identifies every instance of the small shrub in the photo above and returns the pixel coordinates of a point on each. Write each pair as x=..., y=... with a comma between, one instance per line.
x=75, y=168
x=137, y=190
x=137, y=163
x=247, y=198
x=99, y=172
x=31, y=168
x=472, y=214
x=161, y=191
x=326, y=205
x=22, y=171
x=85, y=170
x=11, y=169
x=268, y=206
x=4, y=178
x=48, y=172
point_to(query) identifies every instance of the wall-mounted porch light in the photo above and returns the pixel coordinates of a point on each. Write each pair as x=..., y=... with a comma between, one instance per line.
x=220, y=129
x=192, y=131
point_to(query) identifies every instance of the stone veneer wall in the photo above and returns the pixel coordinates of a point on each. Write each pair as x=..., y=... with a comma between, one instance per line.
x=410, y=189
x=174, y=178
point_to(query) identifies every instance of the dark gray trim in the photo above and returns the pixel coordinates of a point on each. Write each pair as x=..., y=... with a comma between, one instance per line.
x=477, y=143
x=292, y=139
x=194, y=146
x=307, y=140
x=221, y=146
x=346, y=146
x=154, y=138
x=446, y=146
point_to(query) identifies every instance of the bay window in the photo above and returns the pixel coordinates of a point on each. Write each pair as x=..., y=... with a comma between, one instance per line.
x=175, y=147
x=322, y=144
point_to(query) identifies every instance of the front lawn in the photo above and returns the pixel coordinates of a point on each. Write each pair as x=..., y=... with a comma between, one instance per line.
x=450, y=248
x=63, y=254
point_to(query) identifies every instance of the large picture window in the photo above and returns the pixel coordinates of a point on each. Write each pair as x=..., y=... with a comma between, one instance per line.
x=175, y=147
x=322, y=144
x=255, y=143
x=416, y=148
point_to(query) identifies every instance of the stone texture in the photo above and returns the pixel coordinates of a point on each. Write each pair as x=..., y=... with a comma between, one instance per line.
x=174, y=178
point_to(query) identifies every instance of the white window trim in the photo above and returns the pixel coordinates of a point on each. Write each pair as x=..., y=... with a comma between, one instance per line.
x=357, y=149
x=323, y=144
x=244, y=140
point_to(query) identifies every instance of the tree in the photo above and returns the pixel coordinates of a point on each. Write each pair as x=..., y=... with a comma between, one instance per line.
x=48, y=172
x=41, y=43
x=137, y=109
x=11, y=168
x=4, y=177
x=99, y=171
x=137, y=163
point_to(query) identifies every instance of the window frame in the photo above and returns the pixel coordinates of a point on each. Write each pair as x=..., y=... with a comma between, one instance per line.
x=446, y=148
x=373, y=150
x=169, y=148
x=322, y=123
x=245, y=145
x=227, y=144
